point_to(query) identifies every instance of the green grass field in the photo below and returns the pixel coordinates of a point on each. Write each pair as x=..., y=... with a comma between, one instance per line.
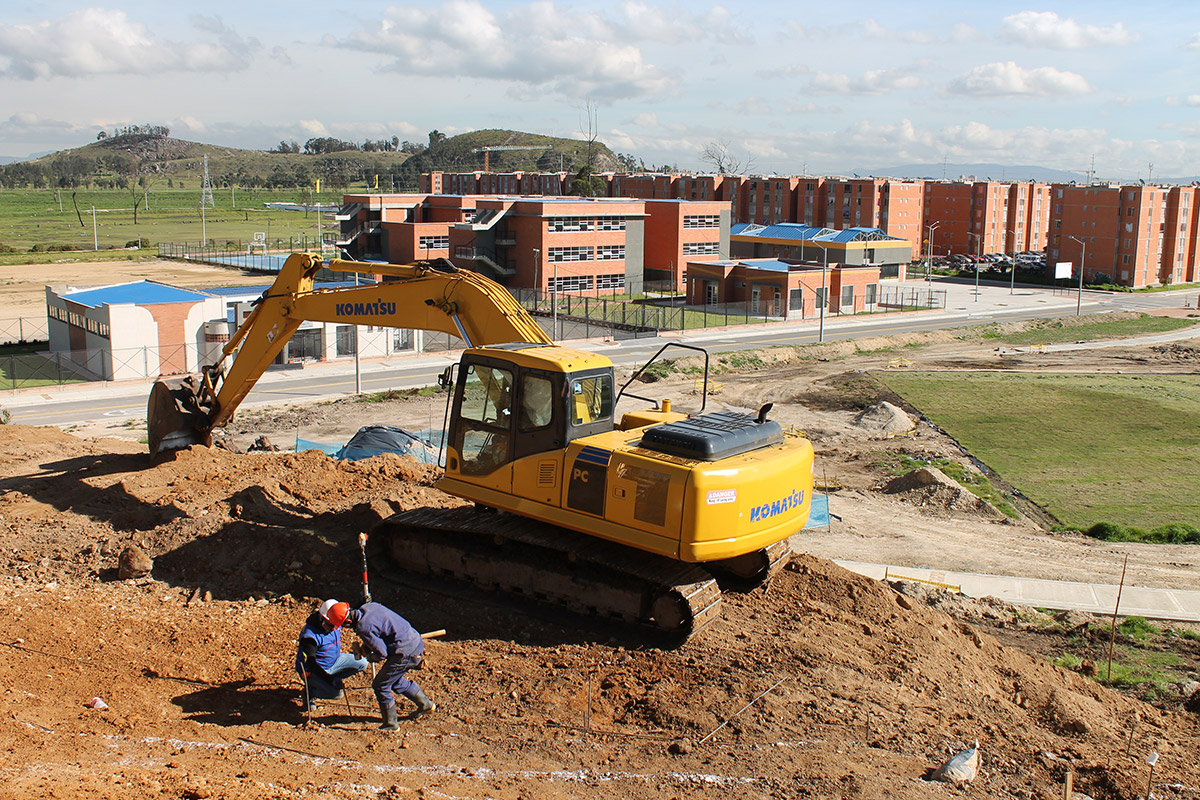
x=1089, y=448
x=1053, y=331
x=30, y=217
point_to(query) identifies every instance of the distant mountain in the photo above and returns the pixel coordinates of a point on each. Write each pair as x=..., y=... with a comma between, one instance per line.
x=115, y=160
x=995, y=172
x=30, y=157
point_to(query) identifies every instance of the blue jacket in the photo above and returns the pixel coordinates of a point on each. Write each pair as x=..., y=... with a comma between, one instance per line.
x=387, y=633
x=329, y=645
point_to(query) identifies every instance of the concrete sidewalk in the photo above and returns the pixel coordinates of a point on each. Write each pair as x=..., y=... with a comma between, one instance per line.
x=1177, y=605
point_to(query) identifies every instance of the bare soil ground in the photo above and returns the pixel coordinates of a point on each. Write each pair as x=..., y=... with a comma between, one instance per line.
x=865, y=688
x=23, y=287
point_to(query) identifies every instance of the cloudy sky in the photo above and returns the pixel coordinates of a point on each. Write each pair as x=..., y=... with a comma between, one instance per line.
x=794, y=86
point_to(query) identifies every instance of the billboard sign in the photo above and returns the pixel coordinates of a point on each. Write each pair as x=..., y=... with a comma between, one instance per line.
x=1062, y=270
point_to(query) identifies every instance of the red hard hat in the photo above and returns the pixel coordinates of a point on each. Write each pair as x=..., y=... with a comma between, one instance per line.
x=335, y=613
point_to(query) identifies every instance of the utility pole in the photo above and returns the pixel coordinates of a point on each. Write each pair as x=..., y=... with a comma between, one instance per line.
x=95, y=235
x=1082, y=259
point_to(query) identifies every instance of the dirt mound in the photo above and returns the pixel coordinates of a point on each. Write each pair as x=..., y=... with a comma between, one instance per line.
x=1176, y=352
x=884, y=418
x=68, y=507
x=931, y=489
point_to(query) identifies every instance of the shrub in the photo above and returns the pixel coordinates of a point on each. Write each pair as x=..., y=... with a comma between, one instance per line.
x=1172, y=533
x=38, y=248
x=1137, y=628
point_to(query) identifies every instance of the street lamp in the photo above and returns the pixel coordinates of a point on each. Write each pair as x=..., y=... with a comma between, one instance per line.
x=1082, y=258
x=979, y=247
x=824, y=288
x=1012, y=278
x=929, y=253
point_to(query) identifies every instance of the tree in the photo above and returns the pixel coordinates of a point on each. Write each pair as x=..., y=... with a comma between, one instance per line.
x=436, y=137
x=585, y=184
x=590, y=135
x=723, y=161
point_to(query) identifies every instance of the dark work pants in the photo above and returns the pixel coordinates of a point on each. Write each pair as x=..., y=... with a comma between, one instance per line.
x=391, y=679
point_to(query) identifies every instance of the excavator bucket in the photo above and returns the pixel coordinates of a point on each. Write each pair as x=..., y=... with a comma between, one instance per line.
x=174, y=419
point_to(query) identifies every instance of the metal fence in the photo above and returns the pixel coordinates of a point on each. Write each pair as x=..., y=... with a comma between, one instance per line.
x=612, y=316
x=24, y=329
x=256, y=255
x=51, y=368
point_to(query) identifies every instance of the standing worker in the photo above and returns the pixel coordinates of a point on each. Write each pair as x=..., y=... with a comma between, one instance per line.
x=319, y=657
x=388, y=637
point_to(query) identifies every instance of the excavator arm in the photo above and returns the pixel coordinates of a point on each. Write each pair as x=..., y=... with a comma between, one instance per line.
x=425, y=296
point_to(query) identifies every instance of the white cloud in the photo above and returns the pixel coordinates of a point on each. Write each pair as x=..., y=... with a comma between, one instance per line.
x=1192, y=100
x=97, y=41
x=1194, y=43
x=27, y=127
x=1047, y=29
x=540, y=47
x=873, y=82
x=646, y=120
x=1007, y=78
x=754, y=106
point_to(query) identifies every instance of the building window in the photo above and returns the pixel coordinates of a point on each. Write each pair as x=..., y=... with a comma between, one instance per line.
x=434, y=242
x=570, y=283
x=616, y=281
x=702, y=221
x=558, y=254
x=402, y=339
x=570, y=224
x=610, y=223
x=1125, y=259
x=701, y=248
x=610, y=252
x=871, y=294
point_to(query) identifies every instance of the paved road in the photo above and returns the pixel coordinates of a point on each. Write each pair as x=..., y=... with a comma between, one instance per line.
x=83, y=403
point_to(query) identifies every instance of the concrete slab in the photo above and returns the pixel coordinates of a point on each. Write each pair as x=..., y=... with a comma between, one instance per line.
x=1176, y=605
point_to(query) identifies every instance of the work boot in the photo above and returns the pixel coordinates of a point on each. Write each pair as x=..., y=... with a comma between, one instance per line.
x=424, y=704
x=388, y=712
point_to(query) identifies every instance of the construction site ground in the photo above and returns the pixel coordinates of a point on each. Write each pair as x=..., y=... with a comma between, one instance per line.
x=829, y=684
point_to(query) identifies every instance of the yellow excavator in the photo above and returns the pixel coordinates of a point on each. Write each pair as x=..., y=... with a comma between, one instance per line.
x=634, y=518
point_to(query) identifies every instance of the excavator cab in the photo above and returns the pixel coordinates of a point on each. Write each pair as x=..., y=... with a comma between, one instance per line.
x=516, y=401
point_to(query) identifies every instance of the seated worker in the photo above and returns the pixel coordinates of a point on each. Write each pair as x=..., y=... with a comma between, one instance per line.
x=319, y=657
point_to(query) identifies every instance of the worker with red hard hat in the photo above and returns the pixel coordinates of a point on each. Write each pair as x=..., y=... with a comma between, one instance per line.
x=319, y=657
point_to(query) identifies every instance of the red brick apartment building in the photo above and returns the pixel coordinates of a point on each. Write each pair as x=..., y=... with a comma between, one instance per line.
x=550, y=243
x=893, y=206
x=985, y=217
x=1132, y=236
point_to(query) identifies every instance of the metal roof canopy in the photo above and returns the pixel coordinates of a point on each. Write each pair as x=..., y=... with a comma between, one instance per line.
x=137, y=292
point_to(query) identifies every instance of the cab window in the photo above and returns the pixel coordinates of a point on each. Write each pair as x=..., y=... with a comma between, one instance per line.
x=486, y=416
x=537, y=403
x=590, y=399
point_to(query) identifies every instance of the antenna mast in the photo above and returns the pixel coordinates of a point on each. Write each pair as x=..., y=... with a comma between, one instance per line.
x=206, y=197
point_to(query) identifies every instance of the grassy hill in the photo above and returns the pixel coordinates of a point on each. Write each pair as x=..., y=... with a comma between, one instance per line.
x=145, y=159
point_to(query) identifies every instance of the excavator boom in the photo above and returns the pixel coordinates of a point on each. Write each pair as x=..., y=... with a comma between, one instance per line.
x=426, y=296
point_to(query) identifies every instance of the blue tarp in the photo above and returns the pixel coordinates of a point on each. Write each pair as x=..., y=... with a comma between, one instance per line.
x=818, y=516
x=374, y=440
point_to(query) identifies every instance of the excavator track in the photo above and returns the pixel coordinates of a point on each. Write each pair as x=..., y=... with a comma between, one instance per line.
x=523, y=557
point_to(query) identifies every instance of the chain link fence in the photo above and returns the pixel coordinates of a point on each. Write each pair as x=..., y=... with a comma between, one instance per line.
x=24, y=329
